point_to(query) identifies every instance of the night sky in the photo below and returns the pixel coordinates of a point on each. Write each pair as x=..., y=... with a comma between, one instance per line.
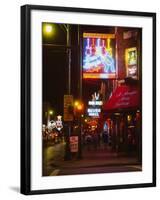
x=55, y=69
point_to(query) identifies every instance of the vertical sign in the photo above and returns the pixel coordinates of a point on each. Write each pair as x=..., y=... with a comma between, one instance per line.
x=131, y=62
x=73, y=143
x=68, y=103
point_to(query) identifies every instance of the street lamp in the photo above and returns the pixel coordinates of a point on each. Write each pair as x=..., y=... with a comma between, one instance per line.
x=48, y=30
x=49, y=114
x=76, y=103
x=78, y=107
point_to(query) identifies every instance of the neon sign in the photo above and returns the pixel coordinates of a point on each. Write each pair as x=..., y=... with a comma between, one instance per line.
x=131, y=62
x=95, y=105
x=98, y=60
x=95, y=100
x=94, y=112
x=55, y=124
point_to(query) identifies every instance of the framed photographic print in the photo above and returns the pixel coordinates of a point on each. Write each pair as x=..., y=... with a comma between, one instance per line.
x=88, y=99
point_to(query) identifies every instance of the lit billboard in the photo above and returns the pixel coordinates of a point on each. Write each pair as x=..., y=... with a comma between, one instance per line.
x=98, y=56
x=131, y=62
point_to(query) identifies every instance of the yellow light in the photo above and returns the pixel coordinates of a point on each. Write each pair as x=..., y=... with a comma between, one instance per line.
x=48, y=30
x=85, y=120
x=117, y=114
x=76, y=103
x=109, y=49
x=51, y=112
x=108, y=43
x=59, y=117
x=129, y=118
x=79, y=107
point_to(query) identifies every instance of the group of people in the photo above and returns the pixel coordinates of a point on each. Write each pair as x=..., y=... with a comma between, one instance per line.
x=94, y=140
x=54, y=136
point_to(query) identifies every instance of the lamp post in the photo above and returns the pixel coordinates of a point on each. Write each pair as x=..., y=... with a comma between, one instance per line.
x=48, y=31
x=67, y=155
x=49, y=114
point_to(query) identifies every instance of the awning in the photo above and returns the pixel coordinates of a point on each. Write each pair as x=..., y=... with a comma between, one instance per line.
x=124, y=97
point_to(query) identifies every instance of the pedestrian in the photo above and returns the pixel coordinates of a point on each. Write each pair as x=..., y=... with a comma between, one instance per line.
x=105, y=137
x=47, y=134
x=129, y=142
x=88, y=140
x=95, y=140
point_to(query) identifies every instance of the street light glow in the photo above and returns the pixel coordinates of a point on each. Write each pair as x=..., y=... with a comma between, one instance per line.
x=80, y=107
x=48, y=30
x=76, y=103
x=51, y=112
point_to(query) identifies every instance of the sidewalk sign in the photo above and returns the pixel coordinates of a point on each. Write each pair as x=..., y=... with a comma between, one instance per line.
x=73, y=143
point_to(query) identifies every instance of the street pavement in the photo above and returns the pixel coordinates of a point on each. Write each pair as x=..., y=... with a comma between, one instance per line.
x=95, y=170
x=52, y=155
x=100, y=160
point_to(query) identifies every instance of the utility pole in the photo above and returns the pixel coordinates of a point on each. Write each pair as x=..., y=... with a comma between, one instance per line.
x=80, y=95
x=68, y=131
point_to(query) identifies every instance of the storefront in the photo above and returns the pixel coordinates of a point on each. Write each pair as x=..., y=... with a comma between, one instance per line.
x=122, y=114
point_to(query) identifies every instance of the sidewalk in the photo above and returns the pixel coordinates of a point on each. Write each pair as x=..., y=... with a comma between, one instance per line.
x=97, y=158
x=100, y=160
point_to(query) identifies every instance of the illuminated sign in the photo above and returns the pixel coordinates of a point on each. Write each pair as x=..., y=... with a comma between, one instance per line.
x=95, y=104
x=98, y=56
x=131, y=62
x=55, y=124
x=95, y=100
x=51, y=125
x=94, y=112
x=73, y=140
